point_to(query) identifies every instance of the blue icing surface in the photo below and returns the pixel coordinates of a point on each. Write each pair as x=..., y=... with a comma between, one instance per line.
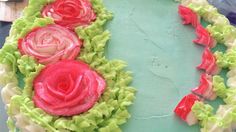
x=159, y=50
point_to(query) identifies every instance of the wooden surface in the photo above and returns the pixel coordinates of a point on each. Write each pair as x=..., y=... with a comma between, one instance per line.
x=9, y=11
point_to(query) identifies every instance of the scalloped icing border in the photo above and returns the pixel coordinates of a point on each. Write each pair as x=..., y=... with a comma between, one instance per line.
x=111, y=110
x=225, y=33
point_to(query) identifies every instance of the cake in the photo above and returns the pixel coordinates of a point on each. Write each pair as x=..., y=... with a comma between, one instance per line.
x=89, y=50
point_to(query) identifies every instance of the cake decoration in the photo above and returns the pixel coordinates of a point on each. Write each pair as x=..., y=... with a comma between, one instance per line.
x=204, y=37
x=70, y=13
x=183, y=109
x=209, y=64
x=67, y=88
x=72, y=68
x=221, y=31
x=188, y=16
x=205, y=88
x=50, y=44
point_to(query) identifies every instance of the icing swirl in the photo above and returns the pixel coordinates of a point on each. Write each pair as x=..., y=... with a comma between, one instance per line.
x=70, y=13
x=183, y=109
x=188, y=16
x=209, y=63
x=50, y=44
x=205, y=88
x=67, y=88
x=204, y=37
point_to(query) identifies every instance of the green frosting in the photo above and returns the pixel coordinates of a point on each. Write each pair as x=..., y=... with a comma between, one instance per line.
x=11, y=125
x=226, y=60
x=108, y=113
x=223, y=32
x=202, y=111
x=25, y=105
x=221, y=29
x=219, y=86
x=222, y=120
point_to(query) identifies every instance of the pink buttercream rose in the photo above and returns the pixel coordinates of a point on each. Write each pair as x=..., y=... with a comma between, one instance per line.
x=67, y=88
x=70, y=13
x=50, y=44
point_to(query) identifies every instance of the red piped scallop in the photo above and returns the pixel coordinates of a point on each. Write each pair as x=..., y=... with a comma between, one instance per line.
x=188, y=16
x=205, y=88
x=183, y=109
x=209, y=63
x=204, y=38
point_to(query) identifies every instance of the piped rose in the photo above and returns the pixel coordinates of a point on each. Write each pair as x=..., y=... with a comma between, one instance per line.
x=70, y=13
x=67, y=88
x=50, y=44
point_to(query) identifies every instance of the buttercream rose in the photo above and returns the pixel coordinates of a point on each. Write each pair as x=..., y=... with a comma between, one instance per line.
x=50, y=44
x=70, y=13
x=67, y=88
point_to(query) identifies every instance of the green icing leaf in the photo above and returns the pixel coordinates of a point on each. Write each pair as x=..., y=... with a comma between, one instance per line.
x=219, y=86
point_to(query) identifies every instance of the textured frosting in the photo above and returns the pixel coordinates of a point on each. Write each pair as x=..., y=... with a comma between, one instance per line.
x=70, y=13
x=153, y=106
x=221, y=31
x=50, y=44
x=111, y=109
x=67, y=88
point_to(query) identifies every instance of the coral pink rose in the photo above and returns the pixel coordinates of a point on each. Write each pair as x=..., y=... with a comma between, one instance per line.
x=67, y=88
x=50, y=44
x=70, y=13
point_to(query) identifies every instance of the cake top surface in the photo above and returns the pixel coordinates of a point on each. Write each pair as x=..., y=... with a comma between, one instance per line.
x=159, y=51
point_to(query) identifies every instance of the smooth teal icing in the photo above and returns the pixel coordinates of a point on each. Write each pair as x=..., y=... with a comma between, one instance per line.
x=159, y=50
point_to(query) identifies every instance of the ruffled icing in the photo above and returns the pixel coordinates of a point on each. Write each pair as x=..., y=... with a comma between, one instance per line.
x=222, y=32
x=183, y=109
x=188, y=16
x=70, y=13
x=226, y=60
x=205, y=88
x=221, y=29
x=219, y=122
x=110, y=111
x=209, y=64
x=50, y=44
x=204, y=38
x=219, y=86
